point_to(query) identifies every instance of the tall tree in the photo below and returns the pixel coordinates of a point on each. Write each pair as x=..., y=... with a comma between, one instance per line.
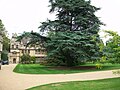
x=112, y=48
x=76, y=28
x=2, y=28
x=5, y=42
x=73, y=15
x=34, y=38
x=74, y=33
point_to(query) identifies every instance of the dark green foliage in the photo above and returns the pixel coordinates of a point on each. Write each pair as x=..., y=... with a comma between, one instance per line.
x=25, y=59
x=24, y=35
x=4, y=55
x=75, y=33
x=73, y=36
x=2, y=28
x=32, y=59
x=72, y=15
x=66, y=48
x=34, y=38
x=5, y=41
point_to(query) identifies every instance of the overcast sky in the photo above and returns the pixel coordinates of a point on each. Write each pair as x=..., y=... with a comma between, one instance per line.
x=26, y=15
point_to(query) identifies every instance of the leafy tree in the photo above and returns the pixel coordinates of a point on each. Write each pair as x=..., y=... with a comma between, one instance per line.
x=112, y=48
x=25, y=59
x=23, y=35
x=34, y=38
x=32, y=59
x=102, y=47
x=6, y=41
x=71, y=49
x=73, y=34
x=76, y=32
x=2, y=28
x=72, y=15
x=4, y=55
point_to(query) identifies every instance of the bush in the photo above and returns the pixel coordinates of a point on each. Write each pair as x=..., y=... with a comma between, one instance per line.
x=44, y=63
x=99, y=66
x=103, y=60
x=112, y=61
x=55, y=62
x=4, y=55
x=25, y=59
x=33, y=59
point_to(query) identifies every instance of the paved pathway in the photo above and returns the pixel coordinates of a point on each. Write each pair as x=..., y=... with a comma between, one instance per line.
x=13, y=81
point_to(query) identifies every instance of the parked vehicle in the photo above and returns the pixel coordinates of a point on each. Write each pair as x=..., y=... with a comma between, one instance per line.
x=5, y=62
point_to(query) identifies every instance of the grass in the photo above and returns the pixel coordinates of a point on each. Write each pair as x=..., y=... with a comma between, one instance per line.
x=40, y=69
x=105, y=84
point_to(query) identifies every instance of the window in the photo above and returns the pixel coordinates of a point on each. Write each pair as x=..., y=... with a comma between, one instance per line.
x=43, y=51
x=17, y=46
x=12, y=46
x=28, y=51
x=25, y=51
x=37, y=51
x=14, y=52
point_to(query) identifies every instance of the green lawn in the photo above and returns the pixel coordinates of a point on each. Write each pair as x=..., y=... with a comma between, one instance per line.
x=40, y=69
x=105, y=84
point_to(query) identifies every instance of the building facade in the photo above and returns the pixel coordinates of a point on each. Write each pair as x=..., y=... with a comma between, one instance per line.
x=18, y=48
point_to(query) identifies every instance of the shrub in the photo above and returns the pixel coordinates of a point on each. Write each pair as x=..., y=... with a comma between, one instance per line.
x=32, y=59
x=103, y=60
x=112, y=61
x=99, y=66
x=25, y=59
x=4, y=55
x=54, y=62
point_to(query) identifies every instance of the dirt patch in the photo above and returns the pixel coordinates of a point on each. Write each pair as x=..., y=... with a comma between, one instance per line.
x=74, y=68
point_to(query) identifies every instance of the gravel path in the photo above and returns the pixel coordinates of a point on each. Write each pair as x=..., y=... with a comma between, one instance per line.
x=13, y=81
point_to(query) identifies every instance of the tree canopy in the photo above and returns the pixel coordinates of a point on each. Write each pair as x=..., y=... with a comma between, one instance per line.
x=5, y=42
x=72, y=15
x=75, y=30
x=112, y=48
x=73, y=36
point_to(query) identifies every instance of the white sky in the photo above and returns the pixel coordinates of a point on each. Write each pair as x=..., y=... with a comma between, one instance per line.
x=26, y=15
